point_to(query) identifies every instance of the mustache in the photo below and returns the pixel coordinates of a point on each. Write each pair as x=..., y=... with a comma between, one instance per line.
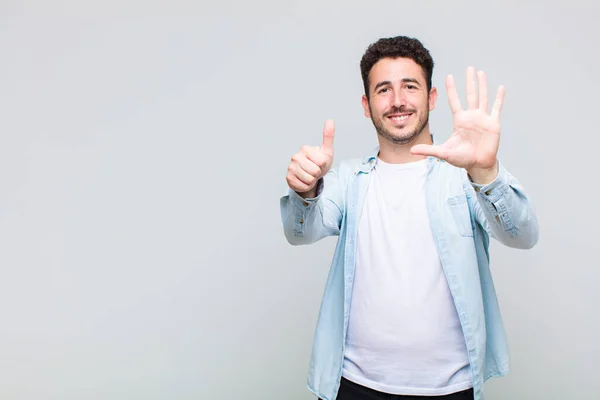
x=398, y=110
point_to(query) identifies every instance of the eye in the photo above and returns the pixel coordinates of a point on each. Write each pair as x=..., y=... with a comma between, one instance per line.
x=411, y=87
x=383, y=90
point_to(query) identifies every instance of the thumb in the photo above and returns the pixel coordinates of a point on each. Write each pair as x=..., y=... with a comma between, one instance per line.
x=429, y=150
x=328, y=134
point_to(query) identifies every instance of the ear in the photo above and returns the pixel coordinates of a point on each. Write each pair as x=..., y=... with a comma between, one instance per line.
x=433, y=94
x=365, y=104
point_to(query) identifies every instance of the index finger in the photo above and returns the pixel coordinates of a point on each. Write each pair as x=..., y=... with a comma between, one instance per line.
x=497, y=107
x=453, y=99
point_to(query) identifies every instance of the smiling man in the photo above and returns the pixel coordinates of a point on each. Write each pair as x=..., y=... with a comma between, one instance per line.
x=409, y=309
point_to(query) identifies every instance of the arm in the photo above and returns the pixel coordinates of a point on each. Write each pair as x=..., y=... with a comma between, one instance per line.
x=504, y=210
x=312, y=207
x=307, y=220
x=496, y=199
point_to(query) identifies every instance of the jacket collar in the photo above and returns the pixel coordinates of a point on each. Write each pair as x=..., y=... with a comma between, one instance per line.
x=369, y=161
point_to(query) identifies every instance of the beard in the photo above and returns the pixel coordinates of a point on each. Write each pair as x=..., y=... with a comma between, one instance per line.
x=395, y=138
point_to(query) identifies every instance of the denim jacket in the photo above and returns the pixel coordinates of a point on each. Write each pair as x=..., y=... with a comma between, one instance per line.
x=463, y=216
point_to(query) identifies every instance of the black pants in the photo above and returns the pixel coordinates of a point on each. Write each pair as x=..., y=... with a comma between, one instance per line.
x=352, y=391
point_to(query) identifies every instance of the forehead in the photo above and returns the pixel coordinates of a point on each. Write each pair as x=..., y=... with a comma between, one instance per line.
x=396, y=69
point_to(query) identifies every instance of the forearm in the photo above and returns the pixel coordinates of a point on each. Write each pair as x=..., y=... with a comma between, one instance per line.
x=505, y=210
x=309, y=219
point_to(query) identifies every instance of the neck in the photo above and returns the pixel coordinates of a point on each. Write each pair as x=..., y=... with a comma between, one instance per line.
x=395, y=153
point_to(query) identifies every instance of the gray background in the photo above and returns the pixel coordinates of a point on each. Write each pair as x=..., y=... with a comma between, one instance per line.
x=143, y=151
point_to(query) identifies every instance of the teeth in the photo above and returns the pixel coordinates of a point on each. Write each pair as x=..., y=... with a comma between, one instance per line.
x=401, y=118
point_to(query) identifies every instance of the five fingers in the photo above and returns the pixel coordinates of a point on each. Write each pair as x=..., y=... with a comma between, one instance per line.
x=477, y=93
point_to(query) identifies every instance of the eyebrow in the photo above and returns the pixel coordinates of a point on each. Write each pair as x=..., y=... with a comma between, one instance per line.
x=405, y=80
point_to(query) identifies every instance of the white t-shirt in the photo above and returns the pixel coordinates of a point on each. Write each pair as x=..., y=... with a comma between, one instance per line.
x=404, y=335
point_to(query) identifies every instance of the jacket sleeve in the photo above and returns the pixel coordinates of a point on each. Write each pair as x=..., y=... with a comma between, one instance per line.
x=306, y=221
x=504, y=210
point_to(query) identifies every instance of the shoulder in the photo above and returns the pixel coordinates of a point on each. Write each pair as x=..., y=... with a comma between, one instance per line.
x=349, y=166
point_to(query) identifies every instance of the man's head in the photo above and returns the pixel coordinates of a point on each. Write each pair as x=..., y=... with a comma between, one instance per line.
x=396, y=74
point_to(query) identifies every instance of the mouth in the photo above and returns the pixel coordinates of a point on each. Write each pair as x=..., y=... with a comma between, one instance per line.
x=399, y=118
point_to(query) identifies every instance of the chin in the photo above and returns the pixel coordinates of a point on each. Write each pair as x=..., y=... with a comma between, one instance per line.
x=404, y=137
x=403, y=130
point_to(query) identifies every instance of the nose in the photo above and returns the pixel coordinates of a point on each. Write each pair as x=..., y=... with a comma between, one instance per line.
x=399, y=98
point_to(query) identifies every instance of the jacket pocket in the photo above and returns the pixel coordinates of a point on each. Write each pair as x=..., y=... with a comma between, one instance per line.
x=459, y=208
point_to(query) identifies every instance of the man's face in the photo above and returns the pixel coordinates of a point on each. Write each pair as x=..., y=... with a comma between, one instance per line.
x=399, y=101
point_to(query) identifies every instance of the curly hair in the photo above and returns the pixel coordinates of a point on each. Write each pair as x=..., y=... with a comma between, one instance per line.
x=396, y=47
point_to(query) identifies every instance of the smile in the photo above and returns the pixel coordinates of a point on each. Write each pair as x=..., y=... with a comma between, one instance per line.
x=399, y=117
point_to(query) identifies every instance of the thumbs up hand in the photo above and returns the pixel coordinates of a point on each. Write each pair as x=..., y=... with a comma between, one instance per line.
x=311, y=163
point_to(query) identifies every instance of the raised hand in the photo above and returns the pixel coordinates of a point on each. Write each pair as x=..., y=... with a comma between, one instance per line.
x=311, y=163
x=476, y=133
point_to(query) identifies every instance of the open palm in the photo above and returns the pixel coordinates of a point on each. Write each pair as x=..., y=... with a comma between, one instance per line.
x=476, y=133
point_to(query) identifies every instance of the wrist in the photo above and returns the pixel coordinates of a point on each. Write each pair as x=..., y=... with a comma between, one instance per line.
x=312, y=193
x=483, y=176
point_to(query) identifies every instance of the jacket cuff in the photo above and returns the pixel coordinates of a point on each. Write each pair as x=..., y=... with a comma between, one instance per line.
x=494, y=190
x=301, y=201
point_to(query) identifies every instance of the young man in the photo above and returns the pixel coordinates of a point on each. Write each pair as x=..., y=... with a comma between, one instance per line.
x=409, y=309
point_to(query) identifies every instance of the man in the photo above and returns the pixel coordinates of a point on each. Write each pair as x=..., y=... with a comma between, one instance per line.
x=409, y=309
